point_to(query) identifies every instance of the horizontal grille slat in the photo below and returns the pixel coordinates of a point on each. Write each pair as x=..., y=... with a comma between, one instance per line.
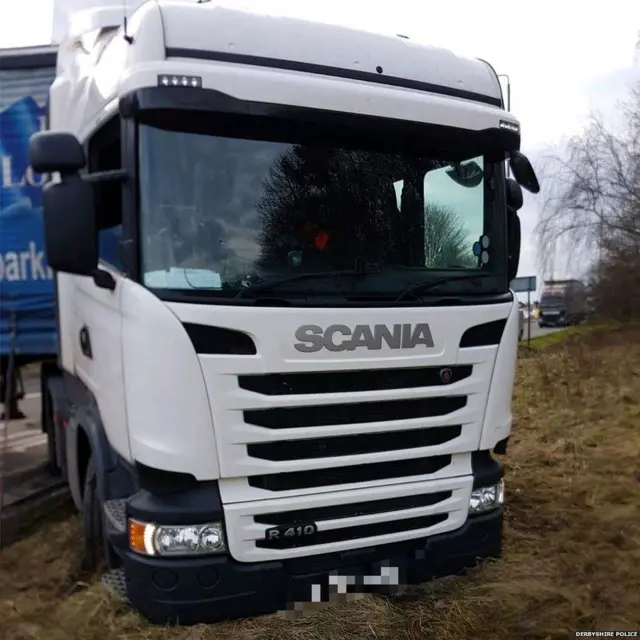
x=282, y=384
x=336, y=512
x=355, y=413
x=346, y=475
x=361, y=444
x=354, y=533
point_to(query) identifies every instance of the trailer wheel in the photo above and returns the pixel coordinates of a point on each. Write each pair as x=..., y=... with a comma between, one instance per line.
x=94, y=544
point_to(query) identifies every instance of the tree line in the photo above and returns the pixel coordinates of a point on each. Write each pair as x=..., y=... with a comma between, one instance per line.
x=592, y=208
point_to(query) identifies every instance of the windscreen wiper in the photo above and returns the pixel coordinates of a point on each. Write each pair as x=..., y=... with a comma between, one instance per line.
x=317, y=275
x=428, y=284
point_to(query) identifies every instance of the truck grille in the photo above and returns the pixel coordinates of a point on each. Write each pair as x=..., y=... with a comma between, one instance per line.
x=353, y=413
x=354, y=533
x=343, y=520
x=349, y=475
x=288, y=433
x=337, y=512
x=314, y=448
x=283, y=384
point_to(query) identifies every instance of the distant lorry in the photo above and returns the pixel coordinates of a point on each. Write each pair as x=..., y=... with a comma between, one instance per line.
x=27, y=298
x=563, y=303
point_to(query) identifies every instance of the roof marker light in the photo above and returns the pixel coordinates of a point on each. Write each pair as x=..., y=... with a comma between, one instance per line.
x=177, y=80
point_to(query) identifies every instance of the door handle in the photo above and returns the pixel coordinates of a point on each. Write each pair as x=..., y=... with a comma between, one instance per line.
x=85, y=342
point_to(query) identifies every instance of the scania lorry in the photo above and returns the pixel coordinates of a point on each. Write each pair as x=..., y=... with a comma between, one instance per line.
x=287, y=343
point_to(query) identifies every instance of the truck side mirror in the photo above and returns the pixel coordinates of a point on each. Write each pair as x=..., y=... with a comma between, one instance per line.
x=71, y=237
x=514, y=240
x=523, y=172
x=51, y=151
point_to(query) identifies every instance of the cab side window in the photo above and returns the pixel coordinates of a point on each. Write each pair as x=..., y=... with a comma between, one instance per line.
x=104, y=154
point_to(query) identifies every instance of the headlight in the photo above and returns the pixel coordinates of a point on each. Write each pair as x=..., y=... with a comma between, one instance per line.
x=176, y=540
x=486, y=498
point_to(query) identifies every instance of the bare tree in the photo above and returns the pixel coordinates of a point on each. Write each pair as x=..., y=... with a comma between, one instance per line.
x=594, y=190
x=592, y=204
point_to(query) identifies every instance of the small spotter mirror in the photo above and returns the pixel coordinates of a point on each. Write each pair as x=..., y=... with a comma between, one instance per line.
x=466, y=175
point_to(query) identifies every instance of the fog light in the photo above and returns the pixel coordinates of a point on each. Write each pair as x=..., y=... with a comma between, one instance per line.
x=486, y=498
x=176, y=540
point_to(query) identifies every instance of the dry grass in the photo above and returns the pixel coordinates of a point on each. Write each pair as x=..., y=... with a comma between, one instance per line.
x=570, y=333
x=572, y=557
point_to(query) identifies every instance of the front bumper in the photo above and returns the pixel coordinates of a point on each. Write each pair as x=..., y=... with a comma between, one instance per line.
x=553, y=320
x=208, y=589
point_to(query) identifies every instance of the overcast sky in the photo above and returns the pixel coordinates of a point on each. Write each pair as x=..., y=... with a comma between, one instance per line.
x=563, y=56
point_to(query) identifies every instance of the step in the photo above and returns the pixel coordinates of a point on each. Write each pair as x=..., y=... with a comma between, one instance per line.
x=115, y=583
x=115, y=512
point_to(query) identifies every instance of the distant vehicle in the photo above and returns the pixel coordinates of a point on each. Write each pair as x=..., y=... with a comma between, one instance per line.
x=563, y=303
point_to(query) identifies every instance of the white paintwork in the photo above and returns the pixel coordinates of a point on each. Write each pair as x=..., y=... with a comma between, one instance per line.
x=209, y=27
x=273, y=330
x=103, y=374
x=88, y=80
x=167, y=407
x=498, y=417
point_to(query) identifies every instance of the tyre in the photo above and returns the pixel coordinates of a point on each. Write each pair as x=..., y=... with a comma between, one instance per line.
x=94, y=542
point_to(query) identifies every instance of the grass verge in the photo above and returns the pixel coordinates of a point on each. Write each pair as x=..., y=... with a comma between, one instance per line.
x=572, y=553
x=569, y=334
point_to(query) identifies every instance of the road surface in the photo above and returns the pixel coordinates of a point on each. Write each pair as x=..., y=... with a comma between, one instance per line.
x=23, y=452
x=28, y=492
x=23, y=446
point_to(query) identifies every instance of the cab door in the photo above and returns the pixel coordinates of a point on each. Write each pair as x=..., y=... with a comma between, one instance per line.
x=97, y=330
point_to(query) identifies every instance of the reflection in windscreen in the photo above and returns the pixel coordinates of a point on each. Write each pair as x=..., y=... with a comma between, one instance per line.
x=220, y=212
x=454, y=218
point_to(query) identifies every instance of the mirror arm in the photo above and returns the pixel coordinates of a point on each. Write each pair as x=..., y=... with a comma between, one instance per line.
x=104, y=280
x=106, y=176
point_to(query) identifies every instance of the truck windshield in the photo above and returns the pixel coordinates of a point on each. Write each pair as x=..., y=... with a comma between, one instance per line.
x=227, y=207
x=553, y=300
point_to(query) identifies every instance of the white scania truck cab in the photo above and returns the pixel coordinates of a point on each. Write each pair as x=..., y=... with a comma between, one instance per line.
x=287, y=341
